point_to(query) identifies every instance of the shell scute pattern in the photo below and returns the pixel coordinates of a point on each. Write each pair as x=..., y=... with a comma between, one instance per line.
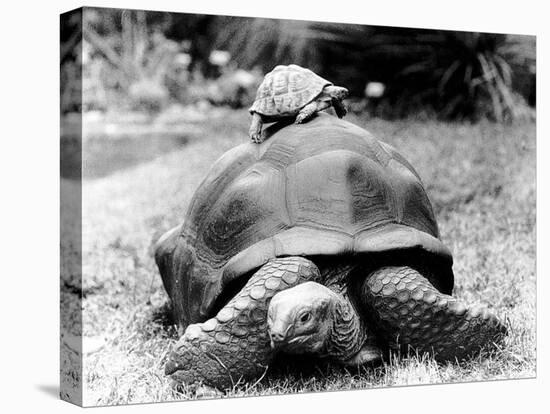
x=287, y=89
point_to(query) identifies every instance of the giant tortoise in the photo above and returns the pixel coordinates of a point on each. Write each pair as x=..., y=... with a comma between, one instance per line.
x=320, y=240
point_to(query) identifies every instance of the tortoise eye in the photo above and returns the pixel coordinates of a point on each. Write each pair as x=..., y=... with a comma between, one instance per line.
x=305, y=317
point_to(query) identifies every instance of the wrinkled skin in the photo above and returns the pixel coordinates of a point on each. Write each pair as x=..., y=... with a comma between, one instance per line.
x=403, y=306
x=300, y=319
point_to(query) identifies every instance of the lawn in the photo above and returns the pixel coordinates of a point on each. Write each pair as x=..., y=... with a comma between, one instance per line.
x=480, y=178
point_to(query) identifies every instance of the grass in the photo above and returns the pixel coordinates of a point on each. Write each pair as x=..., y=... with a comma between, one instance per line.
x=480, y=178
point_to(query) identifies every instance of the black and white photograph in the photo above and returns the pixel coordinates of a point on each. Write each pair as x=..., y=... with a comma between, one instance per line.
x=258, y=206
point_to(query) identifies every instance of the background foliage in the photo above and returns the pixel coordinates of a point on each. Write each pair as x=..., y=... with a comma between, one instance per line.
x=147, y=60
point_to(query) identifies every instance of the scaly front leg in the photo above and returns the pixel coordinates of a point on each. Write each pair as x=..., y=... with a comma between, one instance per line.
x=235, y=345
x=339, y=108
x=307, y=112
x=409, y=311
x=255, y=130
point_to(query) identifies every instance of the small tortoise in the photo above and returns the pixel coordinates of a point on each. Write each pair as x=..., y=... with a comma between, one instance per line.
x=325, y=246
x=293, y=92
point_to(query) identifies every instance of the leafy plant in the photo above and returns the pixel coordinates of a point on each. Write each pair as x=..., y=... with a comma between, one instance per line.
x=137, y=58
x=460, y=74
x=265, y=43
x=456, y=74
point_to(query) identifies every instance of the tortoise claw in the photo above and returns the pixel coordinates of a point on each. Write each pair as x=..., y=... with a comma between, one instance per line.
x=257, y=138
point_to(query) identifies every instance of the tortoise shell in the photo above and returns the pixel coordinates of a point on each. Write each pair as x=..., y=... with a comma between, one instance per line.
x=329, y=189
x=287, y=89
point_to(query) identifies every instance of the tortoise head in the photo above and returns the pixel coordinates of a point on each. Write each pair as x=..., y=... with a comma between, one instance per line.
x=336, y=92
x=300, y=319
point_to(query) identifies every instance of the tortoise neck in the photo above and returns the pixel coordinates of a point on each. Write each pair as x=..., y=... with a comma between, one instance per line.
x=346, y=334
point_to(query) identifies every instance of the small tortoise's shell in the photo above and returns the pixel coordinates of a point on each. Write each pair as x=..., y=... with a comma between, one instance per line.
x=327, y=190
x=287, y=89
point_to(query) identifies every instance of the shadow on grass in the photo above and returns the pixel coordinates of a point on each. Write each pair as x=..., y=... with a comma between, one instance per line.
x=308, y=367
x=163, y=315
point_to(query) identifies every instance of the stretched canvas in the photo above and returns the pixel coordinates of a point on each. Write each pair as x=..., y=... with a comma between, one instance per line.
x=255, y=206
